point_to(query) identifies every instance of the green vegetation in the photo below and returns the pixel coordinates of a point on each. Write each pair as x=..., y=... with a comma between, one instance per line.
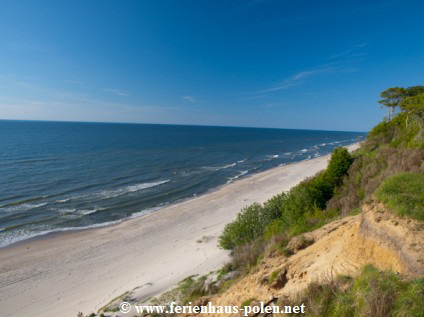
x=388, y=166
x=404, y=194
x=191, y=288
x=373, y=293
x=295, y=212
x=250, y=223
x=247, y=302
x=392, y=98
x=274, y=276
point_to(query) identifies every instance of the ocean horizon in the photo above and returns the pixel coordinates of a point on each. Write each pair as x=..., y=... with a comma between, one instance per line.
x=62, y=176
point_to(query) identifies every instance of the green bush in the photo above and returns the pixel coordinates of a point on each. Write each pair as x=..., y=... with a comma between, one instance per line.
x=338, y=166
x=251, y=222
x=404, y=194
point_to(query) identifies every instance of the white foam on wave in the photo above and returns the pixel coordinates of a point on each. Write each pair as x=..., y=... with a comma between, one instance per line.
x=21, y=207
x=217, y=168
x=7, y=238
x=129, y=189
x=237, y=176
x=111, y=193
x=303, y=150
x=66, y=210
x=145, y=212
x=87, y=211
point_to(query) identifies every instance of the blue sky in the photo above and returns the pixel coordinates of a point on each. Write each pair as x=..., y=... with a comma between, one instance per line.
x=260, y=63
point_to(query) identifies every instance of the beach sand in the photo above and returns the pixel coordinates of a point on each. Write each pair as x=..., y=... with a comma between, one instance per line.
x=63, y=274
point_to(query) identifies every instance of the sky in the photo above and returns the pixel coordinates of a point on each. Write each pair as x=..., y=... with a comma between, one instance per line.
x=257, y=63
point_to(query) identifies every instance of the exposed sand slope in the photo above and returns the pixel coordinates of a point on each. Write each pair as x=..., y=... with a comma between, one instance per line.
x=375, y=237
x=82, y=271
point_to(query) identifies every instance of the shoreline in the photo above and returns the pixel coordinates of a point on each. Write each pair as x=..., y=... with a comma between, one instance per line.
x=63, y=273
x=63, y=231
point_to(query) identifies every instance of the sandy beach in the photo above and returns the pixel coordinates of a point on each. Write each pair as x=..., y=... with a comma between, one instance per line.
x=63, y=274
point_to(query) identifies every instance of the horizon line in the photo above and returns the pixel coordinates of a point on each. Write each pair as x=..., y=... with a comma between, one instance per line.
x=178, y=124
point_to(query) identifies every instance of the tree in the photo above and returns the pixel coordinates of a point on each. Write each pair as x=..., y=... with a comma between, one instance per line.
x=393, y=97
x=414, y=108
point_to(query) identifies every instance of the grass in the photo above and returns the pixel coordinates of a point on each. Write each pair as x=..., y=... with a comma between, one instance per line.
x=247, y=302
x=369, y=169
x=274, y=276
x=372, y=293
x=404, y=194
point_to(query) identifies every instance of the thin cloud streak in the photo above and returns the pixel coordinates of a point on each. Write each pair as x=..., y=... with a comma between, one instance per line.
x=190, y=99
x=116, y=92
x=351, y=52
x=296, y=79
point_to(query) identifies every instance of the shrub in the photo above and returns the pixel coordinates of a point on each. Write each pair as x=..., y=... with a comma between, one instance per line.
x=251, y=222
x=246, y=256
x=338, y=166
x=369, y=169
x=372, y=293
x=404, y=194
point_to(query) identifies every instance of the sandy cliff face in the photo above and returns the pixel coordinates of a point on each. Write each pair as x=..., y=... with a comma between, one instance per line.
x=342, y=247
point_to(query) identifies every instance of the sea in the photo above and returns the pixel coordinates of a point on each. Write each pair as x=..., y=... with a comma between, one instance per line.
x=62, y=176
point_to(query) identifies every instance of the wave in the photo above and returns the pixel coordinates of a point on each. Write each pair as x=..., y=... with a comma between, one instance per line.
x=66, y=210
x=105, y=194
x=21, y=207
x=146, y=211
x=86, y=212
x=7, y=238
x=21, y=202
x=273, y=156
x=78, y=211
x=217, y=168
x=230, y=179
x=189, y=172
x=21, y=235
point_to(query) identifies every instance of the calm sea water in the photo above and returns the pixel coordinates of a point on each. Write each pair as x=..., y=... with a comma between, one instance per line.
x=58, y=176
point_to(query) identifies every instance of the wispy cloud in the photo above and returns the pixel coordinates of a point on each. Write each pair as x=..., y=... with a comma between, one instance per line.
x=354, y=51
x=116, y=92
x=297, y=79
x=341, y=62
x=190, y=99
